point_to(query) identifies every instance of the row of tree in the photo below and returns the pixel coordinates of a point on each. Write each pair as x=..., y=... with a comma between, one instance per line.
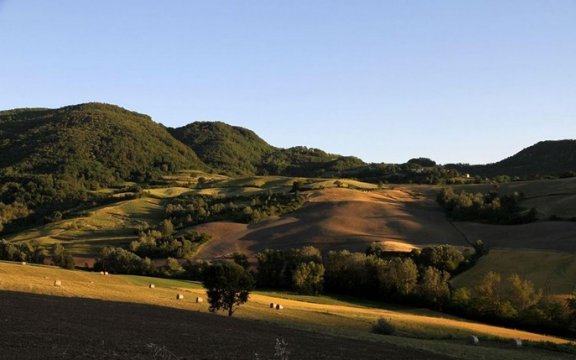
x=33, y=252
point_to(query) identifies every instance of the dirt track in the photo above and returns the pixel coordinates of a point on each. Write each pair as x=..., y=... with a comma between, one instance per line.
x=47, y=327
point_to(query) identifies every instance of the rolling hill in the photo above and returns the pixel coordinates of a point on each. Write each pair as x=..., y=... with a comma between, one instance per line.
x=230, y=149
x=340, y=218
x=546, y=158
x=234, y=150
x=52, y=158
x=97, y=143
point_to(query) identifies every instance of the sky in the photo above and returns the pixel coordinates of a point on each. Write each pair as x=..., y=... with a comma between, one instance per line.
x=385, y=80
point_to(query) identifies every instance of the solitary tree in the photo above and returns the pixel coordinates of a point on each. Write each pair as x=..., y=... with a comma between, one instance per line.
x=228, y=286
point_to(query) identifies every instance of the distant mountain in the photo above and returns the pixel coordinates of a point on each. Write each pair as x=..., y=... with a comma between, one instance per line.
x=546, y=158
x=230, y=149
x=94, y=142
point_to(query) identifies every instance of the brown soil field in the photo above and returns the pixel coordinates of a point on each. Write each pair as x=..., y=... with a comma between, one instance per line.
x=48, y=327
x=400, y=219
x=334, y=219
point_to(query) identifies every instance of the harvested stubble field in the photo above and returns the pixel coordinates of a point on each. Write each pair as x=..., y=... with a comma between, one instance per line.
x=73, y=321
x=49, y=327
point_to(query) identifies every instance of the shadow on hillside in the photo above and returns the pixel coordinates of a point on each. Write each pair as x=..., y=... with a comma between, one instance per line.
x=418, y=223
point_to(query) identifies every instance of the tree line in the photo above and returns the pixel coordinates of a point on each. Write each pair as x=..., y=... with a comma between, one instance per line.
x=33, y=252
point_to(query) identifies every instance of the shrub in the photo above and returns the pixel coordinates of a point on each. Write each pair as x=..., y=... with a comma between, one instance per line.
x=383, y=327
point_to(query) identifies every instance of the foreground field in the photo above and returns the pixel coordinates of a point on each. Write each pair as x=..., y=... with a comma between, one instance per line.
x=75, y=328
x=60, y=312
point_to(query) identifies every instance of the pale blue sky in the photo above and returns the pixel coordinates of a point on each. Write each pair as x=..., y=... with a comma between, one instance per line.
x=456, y=81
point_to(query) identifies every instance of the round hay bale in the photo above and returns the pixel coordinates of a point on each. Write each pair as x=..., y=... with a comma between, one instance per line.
x=272, y=306
x=57, y=283
x=199, y=299
x=473, y=340
x=105, y=272
x=23, y=262
x=517, y=343
x=151, y=286
x=279, y=307
x=179, y=296
x=101, y=272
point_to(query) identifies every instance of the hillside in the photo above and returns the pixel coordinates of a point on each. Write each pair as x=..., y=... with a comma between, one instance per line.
x=93, y=143
x=307, y=162
x=546, y=158
x=76, y=318
x=230, y=149
x=235, y=150
x=339, y=218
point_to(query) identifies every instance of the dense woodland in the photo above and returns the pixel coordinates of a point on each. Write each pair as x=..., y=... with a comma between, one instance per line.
x=91, y=144
x=232, y=150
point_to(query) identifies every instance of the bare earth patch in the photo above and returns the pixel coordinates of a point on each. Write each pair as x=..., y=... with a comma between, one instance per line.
x=333, y=219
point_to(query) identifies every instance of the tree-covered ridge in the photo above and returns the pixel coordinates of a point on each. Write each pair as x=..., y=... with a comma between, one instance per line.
x=545, y=158
x=304, y=161
x=231, y=149
x=238, y=151
x=92, y=143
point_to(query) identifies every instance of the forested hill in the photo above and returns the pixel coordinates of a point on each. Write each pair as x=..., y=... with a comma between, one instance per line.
x=95, y=143
x=230, y=149
x=238, y=151
x=546, y=158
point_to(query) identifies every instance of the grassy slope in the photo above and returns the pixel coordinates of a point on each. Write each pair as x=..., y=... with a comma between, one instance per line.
x=552, y=271
x=106, y=225
x=327, y=315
